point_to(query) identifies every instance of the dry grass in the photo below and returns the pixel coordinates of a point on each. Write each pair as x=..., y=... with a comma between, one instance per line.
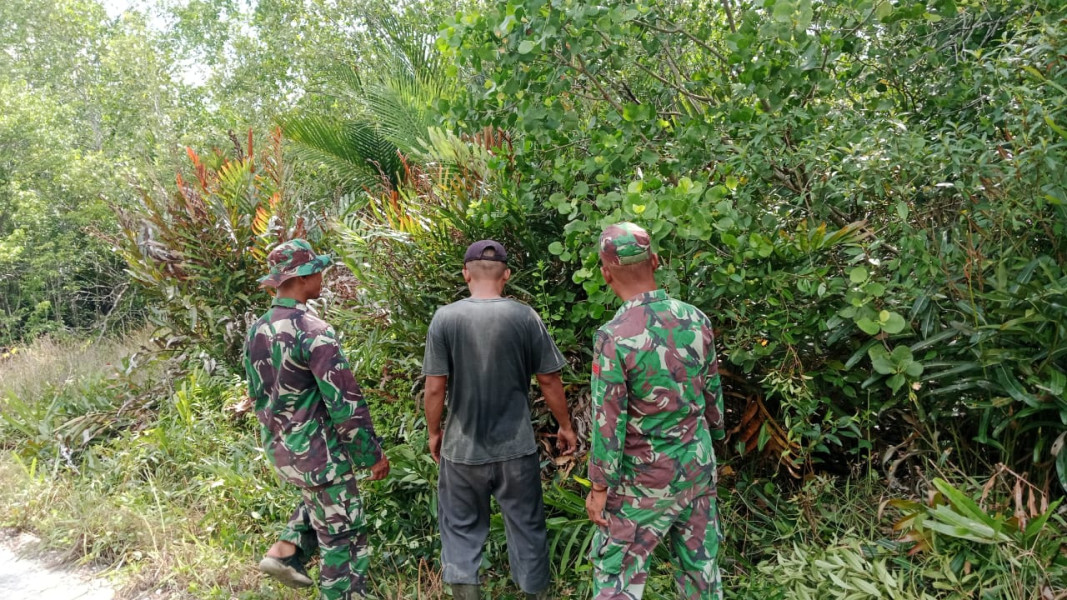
x=149, y=530
x=147, y=553
x=50, y=364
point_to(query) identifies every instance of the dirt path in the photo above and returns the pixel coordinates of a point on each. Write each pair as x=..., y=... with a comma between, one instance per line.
x=25, y=575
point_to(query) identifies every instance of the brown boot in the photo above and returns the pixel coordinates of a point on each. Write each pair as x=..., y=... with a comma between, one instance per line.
x=466, y=591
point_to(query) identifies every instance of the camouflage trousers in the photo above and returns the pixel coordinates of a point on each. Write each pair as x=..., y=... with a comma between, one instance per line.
x=331, y=519
x=688, y=521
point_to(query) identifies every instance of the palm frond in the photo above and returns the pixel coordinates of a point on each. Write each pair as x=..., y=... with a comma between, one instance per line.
x=402, y=92
x=414, y=46
x=356, y=152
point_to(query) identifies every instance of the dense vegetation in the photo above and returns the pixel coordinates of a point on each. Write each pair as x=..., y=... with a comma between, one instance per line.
x=868, y=197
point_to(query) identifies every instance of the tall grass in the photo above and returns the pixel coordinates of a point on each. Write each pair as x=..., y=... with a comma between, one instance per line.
x=50, y=364
x=117, y=463
x=179, y=500
x=177, y=497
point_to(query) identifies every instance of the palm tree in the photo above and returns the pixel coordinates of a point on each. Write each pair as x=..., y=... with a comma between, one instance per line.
x=394, y=104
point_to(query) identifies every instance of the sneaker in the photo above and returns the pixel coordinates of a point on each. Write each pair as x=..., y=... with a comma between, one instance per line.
x=289, y=570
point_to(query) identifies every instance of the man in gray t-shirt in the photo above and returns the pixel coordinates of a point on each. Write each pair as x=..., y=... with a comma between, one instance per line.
x=482, y=351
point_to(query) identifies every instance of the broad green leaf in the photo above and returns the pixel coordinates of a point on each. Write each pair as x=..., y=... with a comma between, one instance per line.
x=526, y=46
x=901, y=354
x=884, y=9
x=868, y=326
x=962, y=503
x=902, y=211
x=874, y=289
x=896, y=382
x=783, y=11
x=881, y=361
x=894, y=323
x=858, y=275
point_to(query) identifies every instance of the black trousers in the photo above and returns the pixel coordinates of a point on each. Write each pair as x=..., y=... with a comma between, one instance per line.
x=463, y=516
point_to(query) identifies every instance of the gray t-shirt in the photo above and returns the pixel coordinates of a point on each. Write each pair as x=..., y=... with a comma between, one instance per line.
x=489, y=349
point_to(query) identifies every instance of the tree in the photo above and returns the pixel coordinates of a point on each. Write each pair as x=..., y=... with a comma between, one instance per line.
x=843, y=185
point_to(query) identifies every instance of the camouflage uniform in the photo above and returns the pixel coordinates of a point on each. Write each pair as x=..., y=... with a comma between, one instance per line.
x=316, y=427
x=657, y=406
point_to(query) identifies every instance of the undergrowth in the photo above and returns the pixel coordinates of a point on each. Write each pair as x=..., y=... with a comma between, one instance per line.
x=182, y=501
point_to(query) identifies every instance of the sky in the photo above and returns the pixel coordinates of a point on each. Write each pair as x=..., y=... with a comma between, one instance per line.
x=115, y=8
x=190, y=72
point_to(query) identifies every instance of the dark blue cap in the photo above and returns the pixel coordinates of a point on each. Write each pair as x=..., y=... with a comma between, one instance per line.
x=485, y=250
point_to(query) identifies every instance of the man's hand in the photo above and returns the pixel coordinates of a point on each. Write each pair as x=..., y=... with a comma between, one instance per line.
x=594, y=506
x=380, y=469
x=435, y=447
x=434, y=399
x=566, y=441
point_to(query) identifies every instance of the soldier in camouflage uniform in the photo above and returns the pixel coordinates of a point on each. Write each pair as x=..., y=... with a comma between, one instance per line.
x=657, y=406
x=316, y=427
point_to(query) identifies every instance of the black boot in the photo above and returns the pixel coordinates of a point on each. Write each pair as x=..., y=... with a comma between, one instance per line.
x=466, y=591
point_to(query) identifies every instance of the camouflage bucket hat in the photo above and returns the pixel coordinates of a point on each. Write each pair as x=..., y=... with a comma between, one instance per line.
x=294, y=258
x=625, y=244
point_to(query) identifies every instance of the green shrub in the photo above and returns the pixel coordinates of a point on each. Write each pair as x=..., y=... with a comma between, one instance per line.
x=872, y=235
x=197, y=251
x=987, y=553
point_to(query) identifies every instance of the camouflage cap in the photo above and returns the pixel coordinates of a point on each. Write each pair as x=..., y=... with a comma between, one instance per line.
x=294, y=258
x=625, y=244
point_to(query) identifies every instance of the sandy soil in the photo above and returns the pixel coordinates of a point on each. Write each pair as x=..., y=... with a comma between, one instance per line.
x=28, y=574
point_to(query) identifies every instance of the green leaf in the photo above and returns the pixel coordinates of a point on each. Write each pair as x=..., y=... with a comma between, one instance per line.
x=1055, y=127
x=881, y=360
x=902, y=211
x=555, y=248
x=526, y=47
x=894, y=323
x=1011, y=385
x=858, y=275
x=783, y=11
x=874, y=289
x=884, y=9
x=913, y=369
x=896, y=382
x=1035, y=526
x=962, y=503
x=868, y=326
x=901, y=354
x=859, y=354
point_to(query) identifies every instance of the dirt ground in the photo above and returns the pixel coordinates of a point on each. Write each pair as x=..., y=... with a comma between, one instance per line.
x=28, y=574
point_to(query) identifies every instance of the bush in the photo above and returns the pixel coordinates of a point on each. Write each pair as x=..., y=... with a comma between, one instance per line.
x=198, y=251
x=876, y=239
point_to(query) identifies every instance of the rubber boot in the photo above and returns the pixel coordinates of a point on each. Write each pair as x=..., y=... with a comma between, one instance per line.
x=466, y=591
x=538, y=596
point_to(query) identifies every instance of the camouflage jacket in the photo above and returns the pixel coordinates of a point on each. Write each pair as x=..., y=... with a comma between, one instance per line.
x=657, y=398
x=316, y=426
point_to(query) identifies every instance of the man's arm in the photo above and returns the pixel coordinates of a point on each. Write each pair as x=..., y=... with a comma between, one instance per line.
x=252, y=375
x=713, y=403
x=349, y=413
x=435, y=407
x=609, y=398
x=552, y=387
